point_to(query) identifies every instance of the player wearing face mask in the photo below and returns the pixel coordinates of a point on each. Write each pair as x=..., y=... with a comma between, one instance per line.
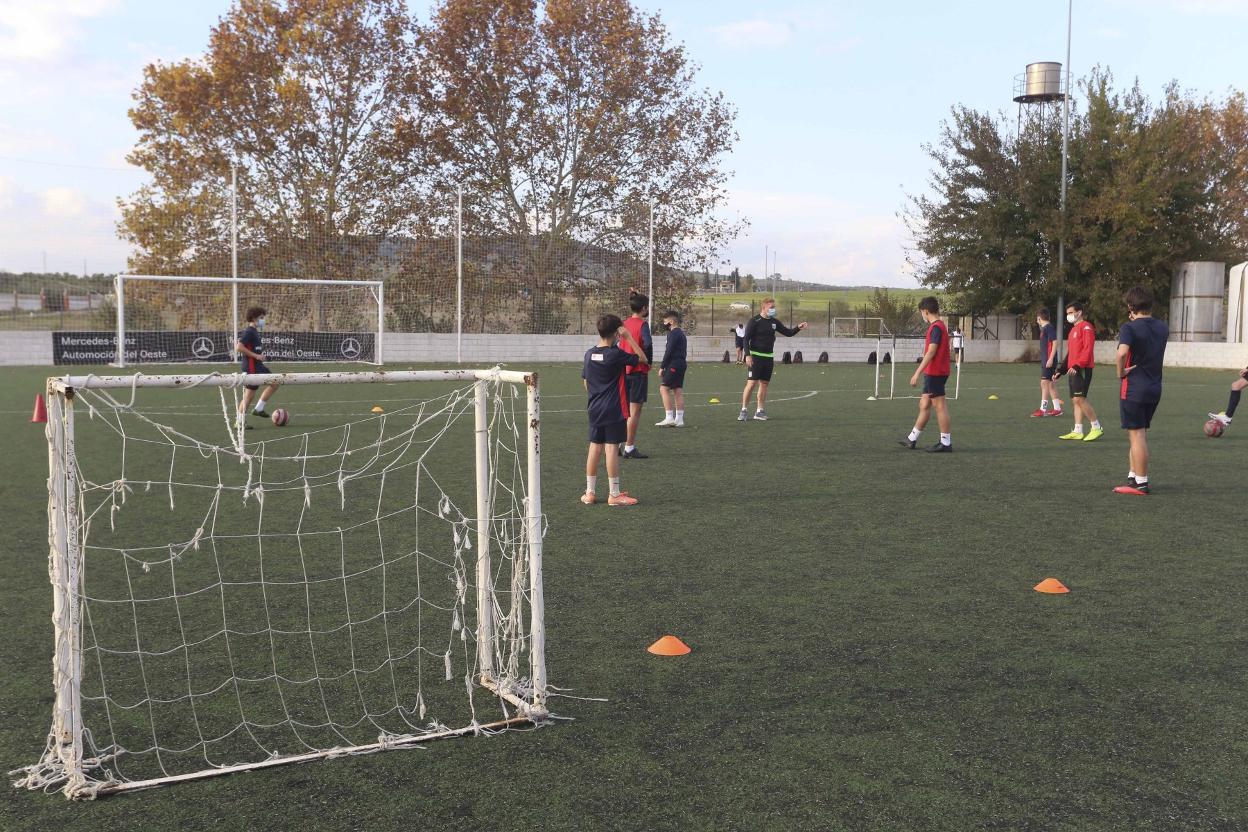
x=1080, y=358
x=760, y=356
x=251, y=361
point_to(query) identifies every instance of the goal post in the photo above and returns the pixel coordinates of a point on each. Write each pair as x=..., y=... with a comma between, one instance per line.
x=196, y=319
x=229, y=604
x=854, y=340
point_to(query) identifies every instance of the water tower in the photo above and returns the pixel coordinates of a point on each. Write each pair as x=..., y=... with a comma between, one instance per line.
x=1042, y=84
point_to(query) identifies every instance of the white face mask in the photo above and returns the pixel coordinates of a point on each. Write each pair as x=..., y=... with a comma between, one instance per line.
x=260, y=323
x=1070, y=319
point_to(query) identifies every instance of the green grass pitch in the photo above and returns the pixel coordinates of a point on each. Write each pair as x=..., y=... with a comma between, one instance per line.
x=868, y=653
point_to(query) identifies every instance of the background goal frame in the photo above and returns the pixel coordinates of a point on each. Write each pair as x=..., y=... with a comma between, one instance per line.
x=375, y=287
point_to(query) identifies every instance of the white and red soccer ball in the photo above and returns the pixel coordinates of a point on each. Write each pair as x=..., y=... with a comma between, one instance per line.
x=280, y=416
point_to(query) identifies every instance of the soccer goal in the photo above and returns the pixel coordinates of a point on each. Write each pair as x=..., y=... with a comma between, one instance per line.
x=869, y=340
x=227, y=600
x=196, y=319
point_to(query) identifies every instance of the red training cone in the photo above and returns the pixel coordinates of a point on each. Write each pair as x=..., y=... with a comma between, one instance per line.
x=1052, y=586
x=668, y=646
x=41, y=410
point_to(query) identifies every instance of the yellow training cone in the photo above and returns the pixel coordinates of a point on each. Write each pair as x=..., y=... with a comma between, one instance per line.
x=993, y=397
x=378, y=409
x=668, y=646
x=714, y=401
x=1052, y=586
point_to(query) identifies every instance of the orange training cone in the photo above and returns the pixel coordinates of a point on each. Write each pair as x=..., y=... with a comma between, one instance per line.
x=41, y=410
x=1052, y=586
x=668, y=646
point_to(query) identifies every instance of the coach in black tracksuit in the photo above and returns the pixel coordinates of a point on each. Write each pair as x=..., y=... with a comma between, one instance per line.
x=760, y=356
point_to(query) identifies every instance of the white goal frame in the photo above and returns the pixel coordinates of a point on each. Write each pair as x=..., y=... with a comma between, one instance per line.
x=376, y=288
x=63, y=762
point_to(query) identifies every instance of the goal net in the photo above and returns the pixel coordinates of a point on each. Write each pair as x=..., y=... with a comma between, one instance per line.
x=869, y=340
x=196, y=319
x=228, y=600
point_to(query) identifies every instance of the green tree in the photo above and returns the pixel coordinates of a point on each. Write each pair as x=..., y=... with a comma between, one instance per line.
x=1151, y=185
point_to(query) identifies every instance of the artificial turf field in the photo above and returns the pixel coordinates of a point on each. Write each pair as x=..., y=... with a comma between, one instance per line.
x=868, y=652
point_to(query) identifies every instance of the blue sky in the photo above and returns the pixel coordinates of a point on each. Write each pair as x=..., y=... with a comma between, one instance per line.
x=835, y=101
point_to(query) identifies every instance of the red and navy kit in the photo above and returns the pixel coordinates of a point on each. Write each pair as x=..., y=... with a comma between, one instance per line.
x=640, y=330
x=250, y=338
x=937, y=334
x=1082, y=352
x=603, y=372
x=1140, y=392
x=1048, y=337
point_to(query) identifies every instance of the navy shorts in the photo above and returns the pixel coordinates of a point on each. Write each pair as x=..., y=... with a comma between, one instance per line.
x=612, y=434
x=740, y=341
x=1080, y=380
x=1046, y=372
x=1137, y=415
x=258, y=370
x=761, y=369
x=934, y=386
x=638, y=386
x=673, y=377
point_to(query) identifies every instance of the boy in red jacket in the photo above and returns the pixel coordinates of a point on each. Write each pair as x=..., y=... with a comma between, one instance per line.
x=1080, y=358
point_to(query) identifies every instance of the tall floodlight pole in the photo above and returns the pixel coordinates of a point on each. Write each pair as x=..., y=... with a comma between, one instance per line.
x=234, y=254
x=650, y=284
x=459, y=275
x=1061, y=237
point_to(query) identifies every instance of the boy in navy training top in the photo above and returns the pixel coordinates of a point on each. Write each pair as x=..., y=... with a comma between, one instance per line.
x=672, y=372
x=934, y=368
x=251, y=360
x=1048, y=363
x=1141, y=351
x=603, y=376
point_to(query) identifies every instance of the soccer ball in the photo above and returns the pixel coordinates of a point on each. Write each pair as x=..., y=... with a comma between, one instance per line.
x=1214, y=428
x=280, y=417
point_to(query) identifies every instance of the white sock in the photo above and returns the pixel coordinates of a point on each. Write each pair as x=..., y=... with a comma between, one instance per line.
x=260, y=406
x=1131, y=475
x=1078, y=428
x=914, y=434
x=591, y=483
x=671, y=414
x=1096, y=425
x=1044, y=404
x=946, y=439
x=680, y=415
x=1141, y=480
x=628, y=449
x=614, y=483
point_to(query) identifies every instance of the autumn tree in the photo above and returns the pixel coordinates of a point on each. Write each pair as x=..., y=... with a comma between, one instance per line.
x=564, y=126
x=311, y=101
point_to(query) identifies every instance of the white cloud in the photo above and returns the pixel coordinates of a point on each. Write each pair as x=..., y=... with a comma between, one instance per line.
x=43, y=30
x=820, y=239
x=64, y=202
x=754, y=34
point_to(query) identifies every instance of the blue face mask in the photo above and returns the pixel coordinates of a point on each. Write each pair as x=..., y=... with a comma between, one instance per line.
x=260, y=323
x=771, y=313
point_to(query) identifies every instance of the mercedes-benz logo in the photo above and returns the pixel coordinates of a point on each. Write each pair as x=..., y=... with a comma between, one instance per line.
x=350, y=348
x=202, y=347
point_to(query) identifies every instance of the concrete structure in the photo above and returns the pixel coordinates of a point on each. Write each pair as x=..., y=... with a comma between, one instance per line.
x=1197, y=294
x=1237, y=305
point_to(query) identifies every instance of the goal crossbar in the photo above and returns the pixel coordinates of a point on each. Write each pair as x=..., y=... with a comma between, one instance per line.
x=186, y=381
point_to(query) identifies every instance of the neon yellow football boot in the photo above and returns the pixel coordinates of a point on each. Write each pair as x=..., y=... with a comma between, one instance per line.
x=1094, y=434
x=1074, y=434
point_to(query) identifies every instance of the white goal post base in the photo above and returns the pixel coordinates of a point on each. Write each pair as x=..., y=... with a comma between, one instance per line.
x=87, y=757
